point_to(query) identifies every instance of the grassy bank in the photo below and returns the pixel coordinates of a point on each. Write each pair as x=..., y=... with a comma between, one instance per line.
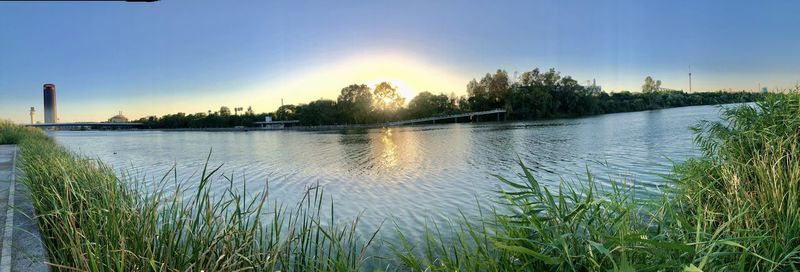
x=92, y=221
x=11, y=133
x=734, y=208
x=744, y=192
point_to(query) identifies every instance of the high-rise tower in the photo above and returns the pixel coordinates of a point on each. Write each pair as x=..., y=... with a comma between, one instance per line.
x=50, y=112
x=33, y=114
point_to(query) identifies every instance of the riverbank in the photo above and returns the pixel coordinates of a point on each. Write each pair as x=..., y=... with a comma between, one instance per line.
x=734, y=208
x=553, y=102
x=93, y=220
x=393, y=124
x=297, y=128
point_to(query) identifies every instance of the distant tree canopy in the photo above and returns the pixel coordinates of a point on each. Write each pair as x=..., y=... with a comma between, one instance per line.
x=358, y=99
x=202, y=120
x=533, y=95
x=286, y=112
x=426, y=104
x=387, y=98
x=651, y=85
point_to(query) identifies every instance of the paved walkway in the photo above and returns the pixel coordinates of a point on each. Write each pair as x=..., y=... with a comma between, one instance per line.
x=21, y=245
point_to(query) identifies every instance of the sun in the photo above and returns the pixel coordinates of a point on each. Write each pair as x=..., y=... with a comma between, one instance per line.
x=403, y=89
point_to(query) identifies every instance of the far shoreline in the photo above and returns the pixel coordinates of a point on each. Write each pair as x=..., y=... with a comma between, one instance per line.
x=379, y=125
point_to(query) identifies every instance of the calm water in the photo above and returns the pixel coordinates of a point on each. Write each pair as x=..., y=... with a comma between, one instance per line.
x=411, y=174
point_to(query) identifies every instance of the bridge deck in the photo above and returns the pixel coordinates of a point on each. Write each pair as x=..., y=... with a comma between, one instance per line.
x=446, y=117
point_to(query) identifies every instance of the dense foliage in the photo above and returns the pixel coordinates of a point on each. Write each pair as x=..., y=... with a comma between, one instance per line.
x=533, y=95
x=202, y=120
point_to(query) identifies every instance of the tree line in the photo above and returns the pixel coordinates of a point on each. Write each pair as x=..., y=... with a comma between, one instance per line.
x=534, y=94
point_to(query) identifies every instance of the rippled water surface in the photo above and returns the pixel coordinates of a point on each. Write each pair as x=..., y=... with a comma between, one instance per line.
x=410, y=174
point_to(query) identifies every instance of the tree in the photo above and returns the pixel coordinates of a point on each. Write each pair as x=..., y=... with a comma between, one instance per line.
x=477, y=95
x=319, y=112
x=490, y=92
x=386, y=98
x=224, y=111
x=551, y=77
x=286, y=112
x=497, y=87
x=651, y=85
x=537, y=78
x=426, y=104
x=530, y=78
x=355, y=103
x=475, y=89
x=529, y=102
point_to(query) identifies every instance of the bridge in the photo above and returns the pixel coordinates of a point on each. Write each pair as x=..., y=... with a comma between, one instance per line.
x=471, y=115
x=89, y=124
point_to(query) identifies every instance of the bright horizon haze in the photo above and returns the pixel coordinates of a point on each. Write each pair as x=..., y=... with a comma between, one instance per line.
x=197, y=55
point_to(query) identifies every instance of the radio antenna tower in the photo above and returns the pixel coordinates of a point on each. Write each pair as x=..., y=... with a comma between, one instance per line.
x=690, y=78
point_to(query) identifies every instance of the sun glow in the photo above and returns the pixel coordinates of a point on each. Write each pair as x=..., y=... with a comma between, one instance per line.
x=409, y=74
x=403, y=89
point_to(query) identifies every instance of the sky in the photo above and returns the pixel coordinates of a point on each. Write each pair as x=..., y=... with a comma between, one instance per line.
x=197, y=55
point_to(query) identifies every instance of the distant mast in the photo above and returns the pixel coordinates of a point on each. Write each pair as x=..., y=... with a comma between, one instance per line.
x=50, y=109
x=690, y=79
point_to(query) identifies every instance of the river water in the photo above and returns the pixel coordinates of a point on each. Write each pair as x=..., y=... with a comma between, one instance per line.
x=407, y=175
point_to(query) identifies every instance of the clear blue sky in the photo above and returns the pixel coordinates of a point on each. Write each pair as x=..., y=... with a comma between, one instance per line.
x=195, y=55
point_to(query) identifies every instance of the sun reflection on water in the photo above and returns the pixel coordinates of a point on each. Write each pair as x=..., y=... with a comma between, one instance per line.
x=389, y=154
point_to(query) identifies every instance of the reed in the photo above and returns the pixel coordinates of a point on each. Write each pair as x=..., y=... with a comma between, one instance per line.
x=11, y=133
x=573, y=227
x=741, y=199
x=91, y=220
x=736, y=208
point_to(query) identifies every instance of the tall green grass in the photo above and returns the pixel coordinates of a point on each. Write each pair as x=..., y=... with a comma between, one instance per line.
x=745, y=190
x=11, y=133
x=735, y=208
x=575, y=227
x=93, y=221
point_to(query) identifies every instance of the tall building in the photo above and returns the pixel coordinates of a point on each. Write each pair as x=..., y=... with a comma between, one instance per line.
x=50, y=112
x=33, y=114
